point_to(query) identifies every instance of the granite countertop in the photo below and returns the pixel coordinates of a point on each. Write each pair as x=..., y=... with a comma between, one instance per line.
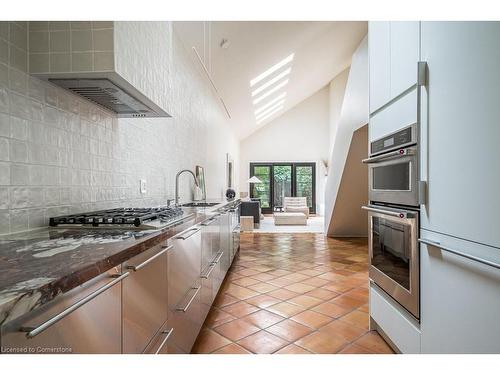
x=37, y=266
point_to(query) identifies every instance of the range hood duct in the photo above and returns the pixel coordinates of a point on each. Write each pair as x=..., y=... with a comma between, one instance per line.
x=107, y=94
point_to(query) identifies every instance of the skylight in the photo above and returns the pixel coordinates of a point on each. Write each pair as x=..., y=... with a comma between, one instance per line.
x=269, y=110
x=271, y=91
x=268, y=89
x=263, y=118
x=271, y=81
x=271, y=70
x=270, y=103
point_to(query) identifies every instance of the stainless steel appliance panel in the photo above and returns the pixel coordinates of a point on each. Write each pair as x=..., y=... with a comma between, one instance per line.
x=236, y=241
x=393, y=177
x=86, y=320
x=145, y=297
x=393, y=251
x=226, y=242
x=184, y=287
x=206, y=246
x=215, y=232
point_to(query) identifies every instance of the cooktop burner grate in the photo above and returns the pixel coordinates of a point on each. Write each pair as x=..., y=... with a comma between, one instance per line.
x=120, y=216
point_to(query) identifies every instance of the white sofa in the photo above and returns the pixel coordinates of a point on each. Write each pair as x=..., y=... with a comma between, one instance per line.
x=296, y=204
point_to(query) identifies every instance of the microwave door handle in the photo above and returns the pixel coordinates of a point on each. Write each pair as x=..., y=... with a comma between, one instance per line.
x=389, y=155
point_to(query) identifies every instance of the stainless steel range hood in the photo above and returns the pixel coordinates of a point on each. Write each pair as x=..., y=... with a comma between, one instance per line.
x=105, y=93
x=117, y=65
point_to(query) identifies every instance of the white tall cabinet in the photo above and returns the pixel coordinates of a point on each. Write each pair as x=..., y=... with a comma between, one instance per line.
x=460, y=298
x=394, y=54
x=462, y=145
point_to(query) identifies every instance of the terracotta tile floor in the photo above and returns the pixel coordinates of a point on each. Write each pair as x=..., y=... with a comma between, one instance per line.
x=293, y=293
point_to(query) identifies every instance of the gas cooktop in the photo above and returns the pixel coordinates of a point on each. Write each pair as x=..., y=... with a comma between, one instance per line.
x=154, y=217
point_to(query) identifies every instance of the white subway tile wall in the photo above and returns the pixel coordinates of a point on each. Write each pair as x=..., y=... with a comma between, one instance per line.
x=62, y=154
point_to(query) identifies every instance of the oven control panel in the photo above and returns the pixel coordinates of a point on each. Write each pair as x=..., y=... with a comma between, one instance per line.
x=401, y=138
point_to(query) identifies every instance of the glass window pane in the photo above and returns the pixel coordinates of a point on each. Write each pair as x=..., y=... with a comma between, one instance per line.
x=304, y=182
x=282, y=184
x=263, y=190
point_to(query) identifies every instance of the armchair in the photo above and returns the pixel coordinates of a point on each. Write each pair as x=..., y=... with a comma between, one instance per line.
x=296, y=204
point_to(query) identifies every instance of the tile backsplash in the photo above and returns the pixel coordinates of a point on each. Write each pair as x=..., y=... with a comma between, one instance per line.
x=81, y=46
x=61, y=154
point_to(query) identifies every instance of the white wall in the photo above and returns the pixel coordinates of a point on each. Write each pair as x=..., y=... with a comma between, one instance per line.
x=300, y=134
x=336, y=91
x=61, y=154
x=354, y=114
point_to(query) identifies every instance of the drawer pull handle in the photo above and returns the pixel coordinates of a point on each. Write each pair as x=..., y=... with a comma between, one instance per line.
x=168, y=334
x=211, y=268
x=219, y=255
x=32, y=332
x=149, y=260
x=459, y=253
x=185, y=308
x=184, y=237
x=210, y=220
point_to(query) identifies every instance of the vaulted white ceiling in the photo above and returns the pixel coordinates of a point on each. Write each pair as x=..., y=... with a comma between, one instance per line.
x=286, y=62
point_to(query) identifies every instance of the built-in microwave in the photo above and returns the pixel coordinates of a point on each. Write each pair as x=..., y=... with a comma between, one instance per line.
x=393, y=169
x=393, y=253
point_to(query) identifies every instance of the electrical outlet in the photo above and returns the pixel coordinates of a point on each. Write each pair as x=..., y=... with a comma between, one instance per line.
x=143, y=186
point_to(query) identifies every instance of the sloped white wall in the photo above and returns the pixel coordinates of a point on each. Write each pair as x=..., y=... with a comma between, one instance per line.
x=337, y=92
x=354, y=114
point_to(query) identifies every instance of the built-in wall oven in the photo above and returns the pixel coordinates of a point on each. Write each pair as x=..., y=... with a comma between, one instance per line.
x=393, y=253
x=393, y=168
x=393, y=216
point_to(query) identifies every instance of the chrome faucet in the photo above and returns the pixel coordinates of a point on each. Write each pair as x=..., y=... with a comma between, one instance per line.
x=177, y=183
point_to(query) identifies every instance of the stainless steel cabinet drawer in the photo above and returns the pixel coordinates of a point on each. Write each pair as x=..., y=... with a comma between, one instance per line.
x=206, y=246
x=210, y=283
x=87, y=319
x=184, y=287
x=186, y=319
x=162, y=342
x=145, y=297
x=207, y=289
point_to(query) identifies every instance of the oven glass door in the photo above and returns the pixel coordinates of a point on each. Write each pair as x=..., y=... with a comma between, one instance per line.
x=391, y=253
x=393, y=177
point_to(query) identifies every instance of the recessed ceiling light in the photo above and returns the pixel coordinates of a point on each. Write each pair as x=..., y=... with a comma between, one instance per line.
x=270, y=103
x=271, y=81
x=271, y=91
x=224, y=43
x=272, y=69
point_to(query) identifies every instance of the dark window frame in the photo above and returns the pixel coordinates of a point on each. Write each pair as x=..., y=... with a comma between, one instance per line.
x=294, y=165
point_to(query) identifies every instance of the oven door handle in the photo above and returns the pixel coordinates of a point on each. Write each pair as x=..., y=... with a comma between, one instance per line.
x=393, y=154
x=399, y=214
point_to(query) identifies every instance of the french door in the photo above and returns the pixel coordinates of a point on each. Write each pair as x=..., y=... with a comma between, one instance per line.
x=280, y=180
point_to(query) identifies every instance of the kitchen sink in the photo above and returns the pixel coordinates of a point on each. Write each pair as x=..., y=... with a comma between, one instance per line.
x=200, y=204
